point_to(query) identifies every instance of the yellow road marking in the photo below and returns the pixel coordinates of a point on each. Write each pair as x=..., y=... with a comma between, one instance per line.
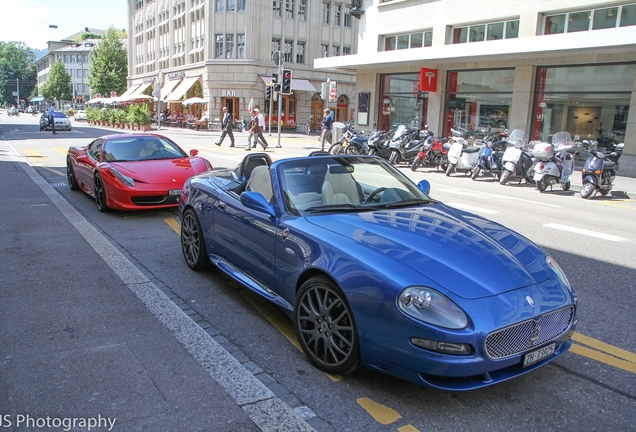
x=176, y=226
x=408, y=428
x=61, y=150
x=52, y=170
x=32, y=153
x=619, y=204
x=381, y=413
x=605, y=347
x=603, y=358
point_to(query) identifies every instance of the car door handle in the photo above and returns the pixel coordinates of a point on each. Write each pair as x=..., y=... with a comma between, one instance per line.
x=221, y=205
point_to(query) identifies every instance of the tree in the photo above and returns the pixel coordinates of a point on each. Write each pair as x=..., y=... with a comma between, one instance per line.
x=17, y=71
x=58, y=86
x=109, y=65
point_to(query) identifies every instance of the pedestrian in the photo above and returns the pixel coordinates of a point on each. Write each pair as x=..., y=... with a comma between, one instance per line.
x=261, y=123
x=226, y=125
x=327, y=122
x=51, y=116
x=252, y=131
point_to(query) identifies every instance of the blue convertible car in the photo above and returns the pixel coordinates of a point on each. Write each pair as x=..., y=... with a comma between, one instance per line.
x=373, y=272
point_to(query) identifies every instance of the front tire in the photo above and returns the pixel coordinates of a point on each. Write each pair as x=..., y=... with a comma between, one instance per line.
x=587, y=190
x=505, y=175
x=100, y=194
x=70, y=175
x=475, y=172
x=416, y=163
x=565, y=186
x=352, y=150
x=193, y=242
x=325, y=326
x=394, y=157
x=542, y=184
x=335, y=149
x=450, y=169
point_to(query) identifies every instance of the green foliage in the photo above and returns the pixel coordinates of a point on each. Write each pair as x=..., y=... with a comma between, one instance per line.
x=58, y=86
x=109, y=64
x=16, y=57
x=138, y=114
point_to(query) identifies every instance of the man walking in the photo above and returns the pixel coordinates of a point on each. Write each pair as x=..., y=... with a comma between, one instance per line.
x=327, y=121
x=252, y=131
x=51, y=116
x=226, y=125
x=261, y=123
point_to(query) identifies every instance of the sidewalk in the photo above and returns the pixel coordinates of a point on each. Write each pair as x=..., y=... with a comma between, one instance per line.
x=80, y=350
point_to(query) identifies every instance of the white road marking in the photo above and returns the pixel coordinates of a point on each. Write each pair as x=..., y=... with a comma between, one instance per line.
x=585, y=232
x=471, y=208
x=486, y=195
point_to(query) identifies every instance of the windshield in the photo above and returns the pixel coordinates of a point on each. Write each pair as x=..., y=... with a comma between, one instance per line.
x=401, y=130
x=561, y=138
x=517, y=137
x=345, y=184
x=141, y=148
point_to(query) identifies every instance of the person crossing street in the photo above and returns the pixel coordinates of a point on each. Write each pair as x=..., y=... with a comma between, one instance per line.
x=51, y=116
x=226, y=125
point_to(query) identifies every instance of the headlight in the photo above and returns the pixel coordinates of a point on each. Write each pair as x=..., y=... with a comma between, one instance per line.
x=128, y=181
x=425, y=304
x=557, y=269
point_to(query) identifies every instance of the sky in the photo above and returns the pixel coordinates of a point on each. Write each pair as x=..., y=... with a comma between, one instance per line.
x=28, y=20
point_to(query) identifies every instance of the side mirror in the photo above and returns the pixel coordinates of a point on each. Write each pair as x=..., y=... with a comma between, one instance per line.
x=425, y=186
x=194, y=152
x=256, y=201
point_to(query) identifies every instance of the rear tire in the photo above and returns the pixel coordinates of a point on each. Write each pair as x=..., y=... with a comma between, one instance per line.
x=336, y=149
x=542, y=184
x=193, y=242
x=565, y=186
x=475, y=172
x=450, y=169
x=505, y=175
x=70, y=175
x=394, y=157
x=587, y=190
x=416, y=163
x=100, y=194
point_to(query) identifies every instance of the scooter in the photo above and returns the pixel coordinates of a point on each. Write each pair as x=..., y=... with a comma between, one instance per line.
x=405, y=145
x=516, y=160
x=433, y=153
x=489, y=159
x=351, y=142
x=599, y=173
x=461, y=157
x=559, y=165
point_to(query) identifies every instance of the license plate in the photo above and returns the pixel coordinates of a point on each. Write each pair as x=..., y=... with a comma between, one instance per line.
x=174, y=192
x=538, y=355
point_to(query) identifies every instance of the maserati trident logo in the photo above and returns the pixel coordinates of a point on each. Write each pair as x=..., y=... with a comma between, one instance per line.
x=534, y=333
x=530, y=301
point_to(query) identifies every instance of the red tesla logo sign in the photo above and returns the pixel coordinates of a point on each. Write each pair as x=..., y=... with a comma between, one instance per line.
x=428, y=80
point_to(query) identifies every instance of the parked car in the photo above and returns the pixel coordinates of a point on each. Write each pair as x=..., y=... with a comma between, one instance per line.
x=374, y=272
x=132, y=171
x=80, y=115
x=61, y=121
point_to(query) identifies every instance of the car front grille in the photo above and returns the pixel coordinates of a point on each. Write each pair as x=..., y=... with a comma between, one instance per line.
x=529, y=334
x=155, y=200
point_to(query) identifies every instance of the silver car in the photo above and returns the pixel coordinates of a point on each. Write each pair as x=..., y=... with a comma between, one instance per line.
x=61, y=122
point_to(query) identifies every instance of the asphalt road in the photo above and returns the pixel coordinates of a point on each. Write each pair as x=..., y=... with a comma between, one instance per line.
x=591, y=388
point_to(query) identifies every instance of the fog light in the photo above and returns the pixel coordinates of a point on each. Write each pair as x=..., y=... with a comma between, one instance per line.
x=443, y=347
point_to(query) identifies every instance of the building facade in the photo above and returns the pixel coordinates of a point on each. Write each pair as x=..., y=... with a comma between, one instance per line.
x=542, y=66
x=221, y=50
x=74, y=53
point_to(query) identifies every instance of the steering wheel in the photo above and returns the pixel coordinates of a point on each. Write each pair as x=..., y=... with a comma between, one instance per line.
x=373, y=194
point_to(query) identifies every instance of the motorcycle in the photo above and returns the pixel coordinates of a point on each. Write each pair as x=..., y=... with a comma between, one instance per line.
x=351, y=142
x=461, y=157
x=379, y=144
x=599, y=173
x=13, y=112
x=556, y=162
x=433, y=153
x=490, y=154
x=516, y=160
x=405, y=145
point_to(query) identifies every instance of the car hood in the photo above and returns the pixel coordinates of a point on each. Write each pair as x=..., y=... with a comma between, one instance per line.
x=469, y=256
x=175, y=171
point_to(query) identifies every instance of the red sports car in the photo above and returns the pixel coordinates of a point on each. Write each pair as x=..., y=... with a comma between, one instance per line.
x=132, y=171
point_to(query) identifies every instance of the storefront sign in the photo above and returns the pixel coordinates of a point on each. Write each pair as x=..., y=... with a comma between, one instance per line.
x=228, y=93
x=176, y=75
x=428, y=80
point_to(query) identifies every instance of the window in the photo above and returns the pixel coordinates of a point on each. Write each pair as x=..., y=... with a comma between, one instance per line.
x=230, y=5
x=289, y=8
x=324, y=49
x=554, y=24
x=337, y=12
x=347, y=19
x=229, y=46
x=276, y=8
x=335, y=51
x=597, y=19
x=628, y=15
x=241, y=5
x=605, y=18
x=408, y=41
x=218, y=6
x=346, y=50
x=218, y=46
x=240, y=46
x=326, y=12
x=287, y=54
x=275, y=45
x=486, y=32
x=579, y=21
x=300, y=52
x=302, y=10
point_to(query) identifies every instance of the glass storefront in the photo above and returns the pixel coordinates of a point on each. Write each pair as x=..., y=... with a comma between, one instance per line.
x=401, y=102
x=589, y=101
x=478, y=100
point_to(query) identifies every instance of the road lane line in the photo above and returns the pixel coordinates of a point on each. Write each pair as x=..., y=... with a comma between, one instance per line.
x=603, y=358
x=381, y=413
x=176, y=226
x=32, y=153
x=486, y=195
x=602, y=346
x=585, y=232
x=471, y=208
x=60, y=150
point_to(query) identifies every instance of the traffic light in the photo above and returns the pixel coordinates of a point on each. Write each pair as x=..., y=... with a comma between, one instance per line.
x=324, y=91
x=275, y=79
x=286, y=84
x=268, y=92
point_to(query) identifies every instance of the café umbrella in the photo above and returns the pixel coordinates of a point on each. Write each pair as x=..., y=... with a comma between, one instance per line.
x=194, y=100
